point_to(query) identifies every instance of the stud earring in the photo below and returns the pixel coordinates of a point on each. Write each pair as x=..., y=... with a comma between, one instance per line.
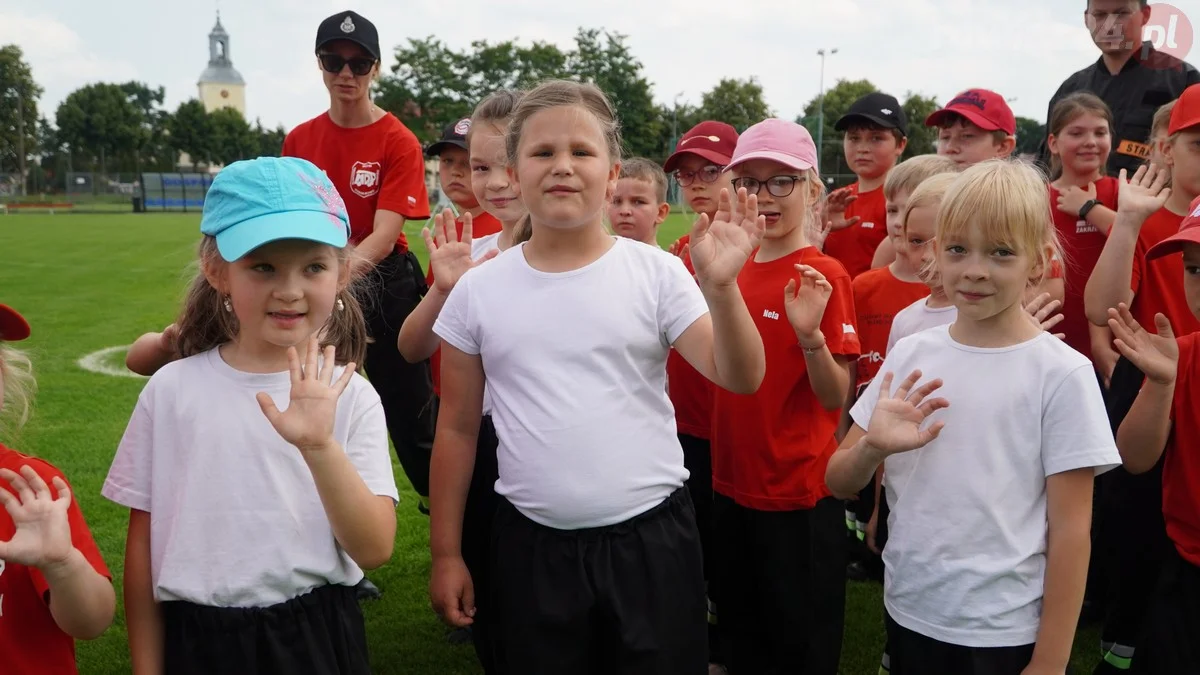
x=341, y=306
x=228, y=305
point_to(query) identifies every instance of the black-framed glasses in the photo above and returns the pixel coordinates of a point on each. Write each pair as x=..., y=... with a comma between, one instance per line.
x=708, y=174
x=333, y=63
x=778, y=186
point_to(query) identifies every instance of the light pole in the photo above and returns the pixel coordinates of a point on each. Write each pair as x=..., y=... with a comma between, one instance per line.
x=821, y=103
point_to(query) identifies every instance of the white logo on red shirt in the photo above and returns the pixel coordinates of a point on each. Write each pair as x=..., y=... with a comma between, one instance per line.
x=364, y=178
x=847, y=329
x=1084, y=227
x=869, y=225
x=770, y=315
x=872, y=357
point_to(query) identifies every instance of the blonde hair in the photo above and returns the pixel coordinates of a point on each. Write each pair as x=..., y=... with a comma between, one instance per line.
x=565, y=93
x=204, y=323
x=929, y=193
x=495, y=109
x=1009, y=200
x=912, y=172
x=1068, y=110
x=19, y=386
x=640, y=168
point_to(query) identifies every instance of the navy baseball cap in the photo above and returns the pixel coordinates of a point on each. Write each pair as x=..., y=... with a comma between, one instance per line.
x=454, y=135
x=13, y=326
x=257, y=201
x=352, y=27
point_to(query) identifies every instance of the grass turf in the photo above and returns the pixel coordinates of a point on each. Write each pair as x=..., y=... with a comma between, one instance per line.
x=88, y=282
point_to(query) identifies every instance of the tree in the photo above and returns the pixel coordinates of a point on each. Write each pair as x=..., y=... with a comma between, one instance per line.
x=99, y=122
x=922, y=140
x=191, y=132
x=507, y=65
x=1030, y=134
x=269, y=142
x=19, y=95
x=736, y=102
x=603, y=58
x=154, y=152
x=428, y=88
x=232, y=138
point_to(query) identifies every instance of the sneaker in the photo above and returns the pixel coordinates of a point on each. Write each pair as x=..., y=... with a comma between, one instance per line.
x=367, y=590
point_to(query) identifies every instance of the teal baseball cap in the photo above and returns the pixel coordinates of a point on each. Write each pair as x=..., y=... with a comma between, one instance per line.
x=258, y=201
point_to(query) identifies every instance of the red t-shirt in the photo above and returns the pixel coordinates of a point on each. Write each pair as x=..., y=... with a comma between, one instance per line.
x=855, y=246
x=878, y=296
x=30, y=642
x=1082, y=244
x=379, y=166
x=770, y=449
x=1158, y=284
x=1181, y=466
x=481, y=226
x=691, y=392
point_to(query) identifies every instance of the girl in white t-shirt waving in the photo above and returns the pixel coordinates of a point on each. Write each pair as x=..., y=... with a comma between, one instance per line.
x=249, y=527
x=990, y=485
x=597, y=563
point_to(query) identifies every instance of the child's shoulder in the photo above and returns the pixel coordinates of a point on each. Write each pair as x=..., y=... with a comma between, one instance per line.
x=871, y=279
x=827, y=265
x=13, y=460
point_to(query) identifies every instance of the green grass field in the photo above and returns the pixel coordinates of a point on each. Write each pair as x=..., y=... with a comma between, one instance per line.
x=90, y=282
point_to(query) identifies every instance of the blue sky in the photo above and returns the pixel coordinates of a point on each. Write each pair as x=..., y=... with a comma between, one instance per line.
x=1021, y=48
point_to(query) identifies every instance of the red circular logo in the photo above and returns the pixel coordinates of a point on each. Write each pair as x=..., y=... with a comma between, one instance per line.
x=1168, y=30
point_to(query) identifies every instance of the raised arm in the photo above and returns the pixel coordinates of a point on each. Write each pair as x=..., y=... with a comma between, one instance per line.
x=1143, y=433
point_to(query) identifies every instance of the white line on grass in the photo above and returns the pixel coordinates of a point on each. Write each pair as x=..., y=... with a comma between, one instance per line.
x=96, y=362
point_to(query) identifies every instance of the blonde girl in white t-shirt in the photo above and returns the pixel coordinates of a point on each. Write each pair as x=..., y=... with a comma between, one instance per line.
x=990, y=484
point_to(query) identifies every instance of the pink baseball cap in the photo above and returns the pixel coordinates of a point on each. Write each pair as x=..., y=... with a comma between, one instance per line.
x=1189, y=233
x=779, y=141
x=983, y=108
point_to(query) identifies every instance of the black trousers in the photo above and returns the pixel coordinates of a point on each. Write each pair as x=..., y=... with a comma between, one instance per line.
x=319, y=633
x=915, y=654
x=697, y=459
x=394, y=289
x=627, y=599
x=782, y=577
x=477, y=540
x=1171, y=640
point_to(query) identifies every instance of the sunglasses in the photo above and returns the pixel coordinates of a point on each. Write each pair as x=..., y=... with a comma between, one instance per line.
x=778, y=186
x=709, y=174
x=333, y=63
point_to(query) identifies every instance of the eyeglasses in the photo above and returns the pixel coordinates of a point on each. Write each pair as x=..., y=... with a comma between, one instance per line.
x=778, y=186
x=333, y=63
x=708, y=174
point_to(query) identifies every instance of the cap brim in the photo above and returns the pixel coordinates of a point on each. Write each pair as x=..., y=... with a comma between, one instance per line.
x=1185, y=123
x=346, y=38
x=790, y=161
x=236, y=241
x=973, y=117
x=13, y=326
x=436, y=149
x=846, y=120
x=1174, y=243
x=711, y=155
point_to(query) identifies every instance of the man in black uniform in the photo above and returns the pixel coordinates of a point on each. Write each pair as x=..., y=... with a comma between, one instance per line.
x=1132, y=77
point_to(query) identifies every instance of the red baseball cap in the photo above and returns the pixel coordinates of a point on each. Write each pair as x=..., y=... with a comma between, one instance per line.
x=985, y=109
x=1186, y=112
x=714, y=141
x=13, y=326
x=1189, y=233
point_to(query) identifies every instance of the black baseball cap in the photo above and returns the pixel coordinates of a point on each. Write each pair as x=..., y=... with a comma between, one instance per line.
x=455, y=134
x=352, y=27
x=877, y=108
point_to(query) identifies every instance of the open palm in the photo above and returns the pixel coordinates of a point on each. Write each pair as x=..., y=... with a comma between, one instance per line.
x=449, y=256
x=719, y=248
x=1145, y=193
x=833, y=215
x=43, y=533
x=1155, y=355
x=805, y=300
x=896, y=423
x=308, y=421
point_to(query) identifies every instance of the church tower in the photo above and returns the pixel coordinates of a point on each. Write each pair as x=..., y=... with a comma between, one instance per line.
x=220, y=85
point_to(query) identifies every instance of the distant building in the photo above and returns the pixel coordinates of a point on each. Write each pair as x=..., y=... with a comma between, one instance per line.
x=221, y=86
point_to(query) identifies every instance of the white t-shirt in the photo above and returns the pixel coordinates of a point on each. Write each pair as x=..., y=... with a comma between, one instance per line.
x=916, y=318
x=479, y=248
x=576, y=365
x=235, y=518
x=966, y=551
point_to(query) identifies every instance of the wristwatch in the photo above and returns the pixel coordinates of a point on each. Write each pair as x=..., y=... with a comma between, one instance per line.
x=1087, y=206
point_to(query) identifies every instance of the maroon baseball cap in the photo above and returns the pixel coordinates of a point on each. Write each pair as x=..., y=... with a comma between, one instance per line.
x=13, y=326
x=985, y=109
x=1189, y=233
x=714, y=141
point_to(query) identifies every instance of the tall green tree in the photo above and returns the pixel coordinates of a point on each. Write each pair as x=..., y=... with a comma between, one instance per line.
x=19, y=95
x=604, y=59
x=736, y=102
x=837, y=101
x=102, y=127
x=191, y=131
x=1030, y=134
x=232, y=138
x=922, y=140
x=429, y=87
x=269, y=142
x=508, y=65
x=154, y=152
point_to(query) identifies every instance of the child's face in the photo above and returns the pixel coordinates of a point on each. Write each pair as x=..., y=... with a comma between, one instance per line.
x=489, y=175
x=918, y=245
x=1191, y=278
x=281, y=292
x=1083, y=145
x=895, y=208
x=982, y=278
x=564, y=171
x=871, y=153
x=635, y=211
x=1183, y=156
x=701, y=196
x=968, y=144
x=454, y=172
x=783, y=214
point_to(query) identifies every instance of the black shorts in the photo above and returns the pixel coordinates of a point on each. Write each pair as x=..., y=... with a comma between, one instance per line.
x=478, y=515
x=1170, y=643
x=626, y=599
x=782, y=580
x=318, y=633
x=911, y=653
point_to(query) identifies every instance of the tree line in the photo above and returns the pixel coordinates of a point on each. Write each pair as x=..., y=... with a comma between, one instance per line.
x=124, y=127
